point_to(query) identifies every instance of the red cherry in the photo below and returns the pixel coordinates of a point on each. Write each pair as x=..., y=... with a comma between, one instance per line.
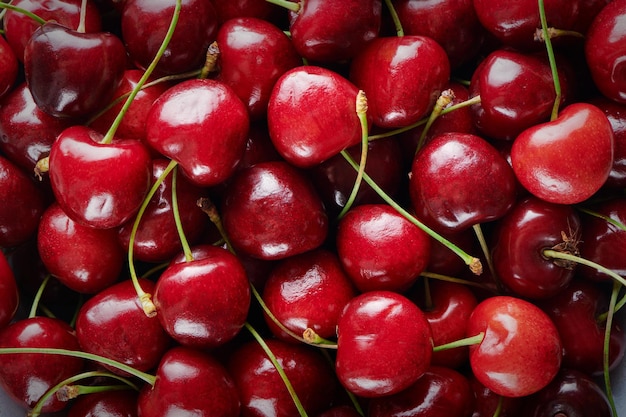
x=9, y=296
x=520, y=352
x=616, y=113
x=105, y=404
x=8, y=67
x=384, y=344
x=567, y=160
x=96, y=184
x=380, y=249
x=486, y=402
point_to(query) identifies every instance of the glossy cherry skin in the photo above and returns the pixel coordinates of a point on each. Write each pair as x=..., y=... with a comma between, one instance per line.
x=453, y=24
x=515, y=24
x=459, y=180
x=19, y=27
x=100, y=185
x=544, y=156
x=189, y=383
x=271, y=211
x=8, y=67
x=307, y=291
x=261, y=389
x=259, y=9
x=520, y=238
x=604, y=47
x=616, y=113
x=26, y=377
x=85, y=259
x=156, y=238
x=253, y=54
x=402, y=78
x=325, y=32
x=440, y=392
x=380, y=249
x=9, y=295
x=57, y=53
x=178, y=123
x=26, y=132
x=105, y=404
x=311, y=115
x=516, y=92
x=113, y=324
x=575, y=312
x=520, y=352
x=486, y=402
x=384, y=344
x=144, y=24
x=22, y=205
x=573, y=394
x=203, y=303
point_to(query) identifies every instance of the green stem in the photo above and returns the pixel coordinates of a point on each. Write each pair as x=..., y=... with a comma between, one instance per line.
x=473, y=262
x=614, y=222
x=279, y=369
x=428, y=297
x=108, y=137
x=468, y=341
x=207, y=206
x=289, y=5
x=83, y=17
x=25, y=12
x=37, y=299
x=551, y=253
x=478, y=231
x=444, y=100
x=552, y=60
x=607, y=343
x=179, y=224
x=395, y=18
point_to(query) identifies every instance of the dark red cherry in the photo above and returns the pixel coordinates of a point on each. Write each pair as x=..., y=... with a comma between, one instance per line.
x=122, y=403
x=402, y=78
x=59, y=64
x=9, y=296
x=384, y=344
x=84, y=259
x=459, y=180
x=259, y=9
x=26, y=377
x=487, y=402
x=271, y=211
x=616, y=113
x=8, y=67
x=113, y=324
x=144, y=24
x=189, y=383
x=96, y=184
x=380, y=249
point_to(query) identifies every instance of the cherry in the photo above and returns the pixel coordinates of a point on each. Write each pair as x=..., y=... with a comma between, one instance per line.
x=112, y=324
x=253, y=54
x=8, y=67
x=402, y=78
x=66, y=56
x=115, y=403
x=9, y=296
x=271, y=211
x=440, y=392
x=114, y=178
x=26, y=377
x=306, y=291
x=520, y=352
x=459, y=180
x=311, y=115
x=259, y=9
x=616, y=113
x=486, y=402
x=547, y=157
x=144, y=24
x=84, y=259
x=519, y=239
x=203, y=302
x=380, y=249
x=22, y=205
x=384, y=344
x=261, y=389
x=189, y=383
x=178, y=122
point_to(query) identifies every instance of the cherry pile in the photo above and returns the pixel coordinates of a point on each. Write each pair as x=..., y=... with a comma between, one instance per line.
x=316, y=208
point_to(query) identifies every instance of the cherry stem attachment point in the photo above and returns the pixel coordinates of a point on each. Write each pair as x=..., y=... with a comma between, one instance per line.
x=555, y=254
x=210, y=63
x=445, y=99
x=551, y=59
x=468, y=341
x=207, y=206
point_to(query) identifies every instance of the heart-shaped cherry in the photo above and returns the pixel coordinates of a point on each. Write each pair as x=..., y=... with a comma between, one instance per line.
x=9, y=296
x=567, y=160
x=60, y=63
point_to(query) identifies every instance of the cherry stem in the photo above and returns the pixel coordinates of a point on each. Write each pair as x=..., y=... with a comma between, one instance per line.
x=552, y=60
x=150, y=379
x=361, y=111
x=108, y=137
x=555, y=254
x=279, y=369
x=312, y=338
x=289, y=5
x=499, y=406
x=607, y=343
x=395, y=18
x=207, y=206
x=428, y=297
x=37, y=299
x=25, y=12
x=145, y=298
x=179, y=225
x=210, y=63
x=83, y=16
x=603, y=217
x=66, y=395
x=444, y=100
x=555, y=33
x=478, y=231
x=473, y=262
x=468, y=341
x=466, y=103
